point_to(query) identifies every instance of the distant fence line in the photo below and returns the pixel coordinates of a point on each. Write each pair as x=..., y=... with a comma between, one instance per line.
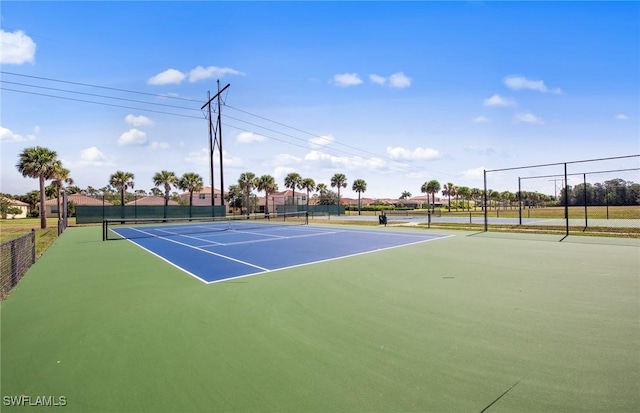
x=16, y=257
x=93, y=214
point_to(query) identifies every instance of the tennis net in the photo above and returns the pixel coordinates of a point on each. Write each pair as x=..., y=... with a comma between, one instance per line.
x=131, y=228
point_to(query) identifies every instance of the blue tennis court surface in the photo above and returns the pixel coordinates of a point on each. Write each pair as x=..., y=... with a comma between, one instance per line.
x=224, y=255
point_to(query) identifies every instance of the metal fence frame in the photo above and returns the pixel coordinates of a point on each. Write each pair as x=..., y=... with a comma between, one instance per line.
x=18, y=255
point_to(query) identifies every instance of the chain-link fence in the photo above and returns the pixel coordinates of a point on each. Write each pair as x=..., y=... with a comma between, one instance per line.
x=16, y=256
x=597, y=195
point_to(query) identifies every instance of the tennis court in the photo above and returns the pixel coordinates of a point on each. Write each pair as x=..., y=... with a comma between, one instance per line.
x=227, y=249
x=468, y=323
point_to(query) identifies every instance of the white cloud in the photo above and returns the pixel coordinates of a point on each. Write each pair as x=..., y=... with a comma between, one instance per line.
x=93, y=157
x=281, y=172
x=348, y=162
x=284, y=159
x=320, y=141
x=158, y=145
x=379, y=80
x=169, y=76
x=474, y=173
x=399, y=152
x=138, y=120
x=347, y=79
x=201, y=158
x=201, y=73
x=399, y=80
x=527, y=118
x=520, y=82
x=6, y=135
x=481, y=119
x=229, y=160
x=497, y=100
x=249, y=137
x=17, y=48
x=133, y=137
x=622, y=116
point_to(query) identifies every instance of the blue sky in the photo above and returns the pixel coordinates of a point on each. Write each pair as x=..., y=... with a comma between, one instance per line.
x=393, y=93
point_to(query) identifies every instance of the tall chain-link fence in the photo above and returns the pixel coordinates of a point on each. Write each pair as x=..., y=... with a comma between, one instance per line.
x=596, y=196
x=16, y=257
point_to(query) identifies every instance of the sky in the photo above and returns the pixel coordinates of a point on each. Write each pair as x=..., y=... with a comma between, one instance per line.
x=395, y=93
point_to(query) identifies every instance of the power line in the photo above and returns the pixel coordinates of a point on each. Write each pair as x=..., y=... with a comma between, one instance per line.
x=101, y=103
x=96, y=86
x=308, y=145
x=97, y=95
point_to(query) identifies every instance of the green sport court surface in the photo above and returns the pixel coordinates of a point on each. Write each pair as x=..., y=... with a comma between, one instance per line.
x=446, y=326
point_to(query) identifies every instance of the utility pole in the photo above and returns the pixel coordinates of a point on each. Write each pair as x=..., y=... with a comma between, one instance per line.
x=220, y=143
x=213, y=204
x=213, y=141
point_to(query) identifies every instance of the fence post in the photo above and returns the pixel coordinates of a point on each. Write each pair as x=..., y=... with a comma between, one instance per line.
x=33, y=246
x=584, y=190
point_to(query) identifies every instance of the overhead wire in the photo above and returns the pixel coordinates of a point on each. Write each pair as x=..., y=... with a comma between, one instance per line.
x=308, y=145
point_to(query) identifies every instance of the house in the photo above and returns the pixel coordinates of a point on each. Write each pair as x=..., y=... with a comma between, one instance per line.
x=202, y=197
x=151, y=200
x=51, y=205
x=22, y=206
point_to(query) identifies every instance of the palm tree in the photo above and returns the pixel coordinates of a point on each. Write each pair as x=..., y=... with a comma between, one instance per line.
x=339, y=180
x=431, y=187
x=60, y=176
x=322, y=189
x=292, y=181
x=247, y=182
x=122, y=181
x=168, y=179
x=405, y=195
x=191, y=182
x=308, y=184
x=267, y=183
x=465, y=193
x=359, y=185
x=38, y=162
x=475, y=194
x=448, y=190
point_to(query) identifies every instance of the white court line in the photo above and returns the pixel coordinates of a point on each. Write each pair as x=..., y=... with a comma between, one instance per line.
x=323, y=231
x=328, y=259
x=318, y=234
x=206, y=251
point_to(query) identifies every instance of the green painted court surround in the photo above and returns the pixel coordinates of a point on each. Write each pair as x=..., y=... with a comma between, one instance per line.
x=433, y=327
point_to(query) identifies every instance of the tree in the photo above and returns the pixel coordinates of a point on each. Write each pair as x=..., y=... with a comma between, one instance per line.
x=328, y=198
x=322, y=189
x=360, y=186
x=465, y=193
x=190, y=182
x=166, y=179
x=60, y=177
x=155, y=191
x=267, y=183
x=247, y=182
x=476, y=193
x=431, y=187
x=308, y=184
x=234, y=196
x=38, y=162
x=340, y=181
x=121, y=181
x=292, y=181
x=405, y=195
x=448, y=191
